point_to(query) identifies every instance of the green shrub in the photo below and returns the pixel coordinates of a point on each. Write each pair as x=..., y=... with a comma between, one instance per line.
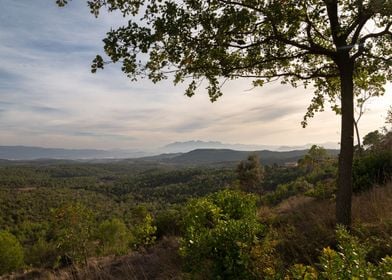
x=168, y=222
x=372, y=168
x=42, y=254
x=323, y=190
x=349, y=262
x=284, y=191
x=220, y=232
x=250, y=174
x=144, y=233
x=72, y=226
x=113, y=237
x=11, y=252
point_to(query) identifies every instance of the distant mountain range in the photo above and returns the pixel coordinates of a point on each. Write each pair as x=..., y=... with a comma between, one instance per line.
x=226, y=156
x=188, y=146
x=33, y=153
x=186, y=153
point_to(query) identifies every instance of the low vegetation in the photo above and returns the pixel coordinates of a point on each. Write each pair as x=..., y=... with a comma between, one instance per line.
x=117, y=220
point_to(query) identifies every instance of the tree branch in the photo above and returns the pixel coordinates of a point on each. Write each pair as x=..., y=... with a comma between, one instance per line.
x=362, y=41
x=317, y=74
x=241, y=4
x=309, y=28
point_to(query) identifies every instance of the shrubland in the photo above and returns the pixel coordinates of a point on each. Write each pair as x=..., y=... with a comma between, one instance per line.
x=99, y=219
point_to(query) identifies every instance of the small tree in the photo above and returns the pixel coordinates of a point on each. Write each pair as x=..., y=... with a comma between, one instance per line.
x=11, y=252
x=72, y=226
x=113, y=237
x=372, y=140
x=144, y=232
x=250, y=174
x=314, y=158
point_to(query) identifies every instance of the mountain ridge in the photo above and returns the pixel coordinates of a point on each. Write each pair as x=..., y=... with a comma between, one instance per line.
x=190, y=145
x=193, y=157
x=227, y=156
x=34, y=153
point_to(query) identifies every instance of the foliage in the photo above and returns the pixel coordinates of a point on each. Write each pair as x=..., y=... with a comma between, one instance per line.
x=117, y=188
x=276, y=175
x=11, y=252
x=43, y=253
x=113, y=237
x=72, y=226
x=374, y=165
x=131, y=193
x=323, y=190
x=316, y=177
x=372, y=168
x=250, y=173
x=220, y=232
x=372, y=139
x=284, y=191
x=315, y=157
x=349, y=262
x=144, y=233
x=259, y=39
x=120, y=197
x=376, y=237
x=168, y=222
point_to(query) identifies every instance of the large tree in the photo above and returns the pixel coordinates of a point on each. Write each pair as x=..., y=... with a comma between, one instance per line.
x=325, y=44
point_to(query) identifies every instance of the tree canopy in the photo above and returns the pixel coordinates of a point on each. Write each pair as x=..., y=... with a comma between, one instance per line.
x=265, y=40
x=250, y=173
x=327, y=44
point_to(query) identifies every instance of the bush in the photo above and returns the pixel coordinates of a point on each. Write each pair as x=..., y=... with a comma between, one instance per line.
x=113, y=237
x=220, y=232
x=323, y=190
x=72, y=226
x=348, y=263
x=168, y=222
x=144, y=233
x=372, y=168
x=284, y=191
x=11, y=252
x=42, y=254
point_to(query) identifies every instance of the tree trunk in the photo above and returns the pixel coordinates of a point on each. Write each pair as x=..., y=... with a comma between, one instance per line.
x=345, y=180
x=358, y=137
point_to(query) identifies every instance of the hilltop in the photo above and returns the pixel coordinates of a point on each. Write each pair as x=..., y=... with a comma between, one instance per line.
x=194, y=157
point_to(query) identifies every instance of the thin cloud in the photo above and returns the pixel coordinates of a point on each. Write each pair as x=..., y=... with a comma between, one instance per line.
x=49, y=97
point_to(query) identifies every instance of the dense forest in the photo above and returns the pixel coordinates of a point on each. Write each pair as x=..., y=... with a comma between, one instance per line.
x=249, y=221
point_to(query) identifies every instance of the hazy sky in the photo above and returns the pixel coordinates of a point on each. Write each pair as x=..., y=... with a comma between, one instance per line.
x=49, y=97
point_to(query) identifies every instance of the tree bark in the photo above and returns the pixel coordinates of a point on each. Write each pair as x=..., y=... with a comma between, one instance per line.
x=345, y=180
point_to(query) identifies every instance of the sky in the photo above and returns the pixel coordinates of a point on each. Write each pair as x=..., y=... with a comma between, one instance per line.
x=49, y=98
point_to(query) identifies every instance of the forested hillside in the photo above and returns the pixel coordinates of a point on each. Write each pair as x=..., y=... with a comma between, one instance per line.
x=246, y=221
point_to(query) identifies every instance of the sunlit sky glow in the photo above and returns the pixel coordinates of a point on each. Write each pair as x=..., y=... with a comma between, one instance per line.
x=49, y=97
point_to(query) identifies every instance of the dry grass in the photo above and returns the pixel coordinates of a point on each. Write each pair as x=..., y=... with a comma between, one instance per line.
x=374, y=206
x=372, y=212
x=161, y=262
x=294, y=202
x=303, y=227
x=302, y=232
